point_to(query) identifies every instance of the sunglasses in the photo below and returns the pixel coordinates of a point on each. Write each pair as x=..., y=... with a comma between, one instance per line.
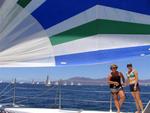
x=113, y=68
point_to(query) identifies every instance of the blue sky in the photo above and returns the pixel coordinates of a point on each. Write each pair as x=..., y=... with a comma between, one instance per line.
x=142, y=64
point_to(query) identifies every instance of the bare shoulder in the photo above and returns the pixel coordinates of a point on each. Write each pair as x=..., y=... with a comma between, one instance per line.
x=135, y=71
x=109, y=75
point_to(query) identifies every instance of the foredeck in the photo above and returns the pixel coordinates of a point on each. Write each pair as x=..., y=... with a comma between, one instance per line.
x=41, y=110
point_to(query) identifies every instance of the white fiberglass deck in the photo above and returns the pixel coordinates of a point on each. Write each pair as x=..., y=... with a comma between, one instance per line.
x=43, y=110
x=40, y=110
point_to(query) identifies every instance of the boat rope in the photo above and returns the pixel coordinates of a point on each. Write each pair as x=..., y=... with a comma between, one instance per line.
x=5, y=88
x=102, y=91
x=8, y=98
x=38, y=95
x=25, y=88
x=4, y=94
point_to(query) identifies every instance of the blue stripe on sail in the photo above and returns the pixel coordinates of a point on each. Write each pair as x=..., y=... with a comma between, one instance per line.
x=53, y=12
x=101, y=56
x=139, y=6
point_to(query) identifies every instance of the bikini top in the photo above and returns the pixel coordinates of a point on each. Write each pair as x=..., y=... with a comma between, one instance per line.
x=131, y=77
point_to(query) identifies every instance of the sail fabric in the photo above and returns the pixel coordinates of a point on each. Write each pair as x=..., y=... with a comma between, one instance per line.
x=37, y=33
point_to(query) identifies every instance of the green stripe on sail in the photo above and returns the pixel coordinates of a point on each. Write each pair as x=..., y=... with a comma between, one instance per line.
x=23, y=3
x=76, y=33
x=100, y=27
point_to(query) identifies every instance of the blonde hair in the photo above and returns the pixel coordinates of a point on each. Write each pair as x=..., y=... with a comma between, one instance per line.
x=113, y=66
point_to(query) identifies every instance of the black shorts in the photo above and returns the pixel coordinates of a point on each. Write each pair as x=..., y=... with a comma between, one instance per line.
x=116, y=90
x=132, y=87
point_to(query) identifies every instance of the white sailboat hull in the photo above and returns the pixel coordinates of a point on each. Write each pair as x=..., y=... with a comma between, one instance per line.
x=42, y=110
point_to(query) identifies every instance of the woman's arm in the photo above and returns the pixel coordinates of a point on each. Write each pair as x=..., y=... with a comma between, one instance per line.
x=123, y=78
x=136, y=78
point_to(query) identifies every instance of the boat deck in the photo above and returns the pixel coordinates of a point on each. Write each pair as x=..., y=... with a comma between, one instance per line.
x=41, y=110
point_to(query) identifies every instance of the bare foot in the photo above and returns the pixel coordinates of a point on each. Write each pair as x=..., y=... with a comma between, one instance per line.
x=137, y=112
x=118, y=111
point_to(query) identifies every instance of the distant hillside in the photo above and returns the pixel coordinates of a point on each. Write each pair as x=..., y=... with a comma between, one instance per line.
x=86, y=81
x=90, y=81
x=145, y=82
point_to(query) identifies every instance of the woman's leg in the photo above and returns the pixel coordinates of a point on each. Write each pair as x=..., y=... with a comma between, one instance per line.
x=136, y=102
x=138, y=97
x=115, y=96
x=122, y=97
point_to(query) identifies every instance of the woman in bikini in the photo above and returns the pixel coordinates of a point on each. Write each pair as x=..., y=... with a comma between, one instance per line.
x=115, y=84
x=132, y=75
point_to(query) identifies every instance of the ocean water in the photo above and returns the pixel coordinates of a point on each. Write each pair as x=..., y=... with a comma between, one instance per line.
x=72, y=97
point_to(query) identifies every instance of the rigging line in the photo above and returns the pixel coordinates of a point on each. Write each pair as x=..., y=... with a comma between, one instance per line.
x=6, y=98
x=35, y=97
x=146, y=93
x=6, y=92
x=5, y=88
x=28, y=88
x=43, y=98
x=5, y=104
x=26, y=98
x=94, y=101
x=17, y=102
x=41, y=94
x=25, y=88
x=49, y=89
x=86, y=91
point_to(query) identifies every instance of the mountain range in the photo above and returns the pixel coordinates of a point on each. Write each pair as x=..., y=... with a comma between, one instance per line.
x=100, y=81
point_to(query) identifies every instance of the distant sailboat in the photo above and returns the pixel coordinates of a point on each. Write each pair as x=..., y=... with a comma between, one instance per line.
x=79, y=84
x=1, y=81
x=47, y=82
x=72, y=84
x=33, y=82
x=65, y=84
x=13, y=81
x=21, y=82
x=37, y=83
x=56, y=83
